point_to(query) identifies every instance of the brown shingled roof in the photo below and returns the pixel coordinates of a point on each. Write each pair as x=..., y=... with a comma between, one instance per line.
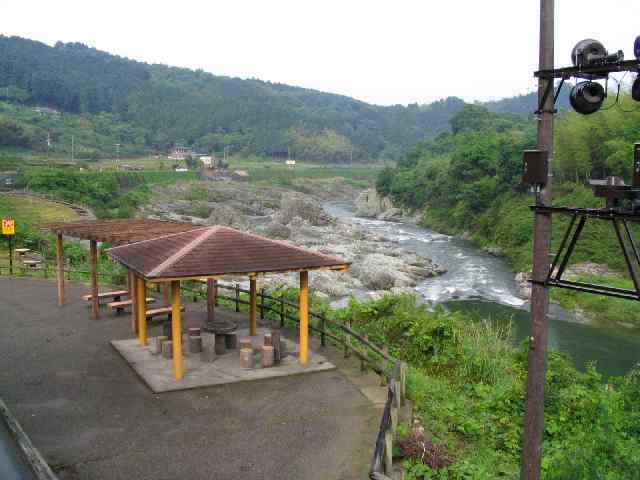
x=121, y=231
x=211, y=251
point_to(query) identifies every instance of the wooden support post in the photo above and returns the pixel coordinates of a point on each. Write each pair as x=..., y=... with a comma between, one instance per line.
x=304, y=317
x=215, y=292
x=134, y=301
x=166, y=291
x=141, y=295
x=95, y=300
x=211, y=300
x=237, y=297
x=252, y=306
x=176, y=327
x=262, y=304
x=60, y=260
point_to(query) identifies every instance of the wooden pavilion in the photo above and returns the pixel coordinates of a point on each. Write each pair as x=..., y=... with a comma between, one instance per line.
x=118, y=232
x=213, y=252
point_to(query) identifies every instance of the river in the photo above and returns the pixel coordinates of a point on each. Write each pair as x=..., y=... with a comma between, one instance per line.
x=477, y=281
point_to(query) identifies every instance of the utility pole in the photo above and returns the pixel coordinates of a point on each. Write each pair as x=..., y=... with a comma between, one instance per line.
x=117, y=155
x=537, y=356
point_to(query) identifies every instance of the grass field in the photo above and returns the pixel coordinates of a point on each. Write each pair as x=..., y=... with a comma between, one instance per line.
x=32, y=210
x=28, y=212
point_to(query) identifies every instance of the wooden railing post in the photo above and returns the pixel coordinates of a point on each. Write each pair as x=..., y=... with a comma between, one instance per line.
x=323, y=326
x=237, y=297
x=347, y=343
x=281, y=311
x=388, y=453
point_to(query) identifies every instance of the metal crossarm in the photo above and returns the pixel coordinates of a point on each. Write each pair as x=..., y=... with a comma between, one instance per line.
x=572, y=236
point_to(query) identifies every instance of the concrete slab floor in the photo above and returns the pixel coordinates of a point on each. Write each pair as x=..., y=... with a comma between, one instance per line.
x=157, y=371
x=92, y=418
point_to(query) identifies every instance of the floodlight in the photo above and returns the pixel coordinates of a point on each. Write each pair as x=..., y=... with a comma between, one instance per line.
x=589, y=52
x=587, y=97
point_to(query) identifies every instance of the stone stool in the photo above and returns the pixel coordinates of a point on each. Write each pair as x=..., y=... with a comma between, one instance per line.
x=246, y=358
x=267, y=356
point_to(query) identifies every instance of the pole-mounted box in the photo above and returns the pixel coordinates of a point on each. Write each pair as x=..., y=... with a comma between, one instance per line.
x=535, y=167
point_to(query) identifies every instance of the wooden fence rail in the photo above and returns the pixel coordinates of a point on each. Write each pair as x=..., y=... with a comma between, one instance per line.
x=370, y=355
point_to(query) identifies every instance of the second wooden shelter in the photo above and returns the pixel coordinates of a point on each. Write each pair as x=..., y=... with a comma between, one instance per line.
x=118, y=232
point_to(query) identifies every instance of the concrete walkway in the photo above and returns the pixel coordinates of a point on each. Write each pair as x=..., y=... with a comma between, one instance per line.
x=92, y=418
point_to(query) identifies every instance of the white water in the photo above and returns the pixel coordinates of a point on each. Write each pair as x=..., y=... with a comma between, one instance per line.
x=476, y=281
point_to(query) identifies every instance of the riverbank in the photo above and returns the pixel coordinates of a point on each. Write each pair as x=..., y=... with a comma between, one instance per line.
x=467, y=383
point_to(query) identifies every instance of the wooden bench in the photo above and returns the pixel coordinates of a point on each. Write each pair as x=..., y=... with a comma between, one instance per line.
x=31, y=263
x=121, y=305
x=115, y=295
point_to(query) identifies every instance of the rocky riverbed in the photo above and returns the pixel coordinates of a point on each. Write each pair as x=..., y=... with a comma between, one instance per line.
x=379, y=264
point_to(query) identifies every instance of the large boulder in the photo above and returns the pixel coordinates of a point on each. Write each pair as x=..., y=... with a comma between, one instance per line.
x=277, y=230
x=381, y=272
x=370, y=204
x=225, y=215
x=292, y=206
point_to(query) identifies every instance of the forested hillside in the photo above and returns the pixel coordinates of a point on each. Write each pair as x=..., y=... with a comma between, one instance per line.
x=153, y=107
x=173, y=105
x=469, y=181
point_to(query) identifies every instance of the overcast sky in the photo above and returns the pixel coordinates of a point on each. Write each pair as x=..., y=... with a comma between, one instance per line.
x=383, y=52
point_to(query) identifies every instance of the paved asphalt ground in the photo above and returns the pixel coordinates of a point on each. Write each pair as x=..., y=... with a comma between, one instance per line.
x=92, y=418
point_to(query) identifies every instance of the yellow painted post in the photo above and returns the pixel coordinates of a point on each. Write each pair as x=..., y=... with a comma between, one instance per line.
x=60, y=261
x=141, y=293
x=95, y=300
x=134, y=301
x=304, y=317
x=176, y=328
x=252, y=306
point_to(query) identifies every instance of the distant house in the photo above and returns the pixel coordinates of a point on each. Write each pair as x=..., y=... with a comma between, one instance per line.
x=180, y=169
x=207, y=161
x=8, y=179
x=180, y=153
x=47, y=111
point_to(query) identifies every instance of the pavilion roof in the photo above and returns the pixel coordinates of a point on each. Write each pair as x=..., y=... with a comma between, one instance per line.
x=216, y=251
x=121, y=231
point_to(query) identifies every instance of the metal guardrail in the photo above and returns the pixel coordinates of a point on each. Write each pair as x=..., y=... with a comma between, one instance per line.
x=370, y=355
